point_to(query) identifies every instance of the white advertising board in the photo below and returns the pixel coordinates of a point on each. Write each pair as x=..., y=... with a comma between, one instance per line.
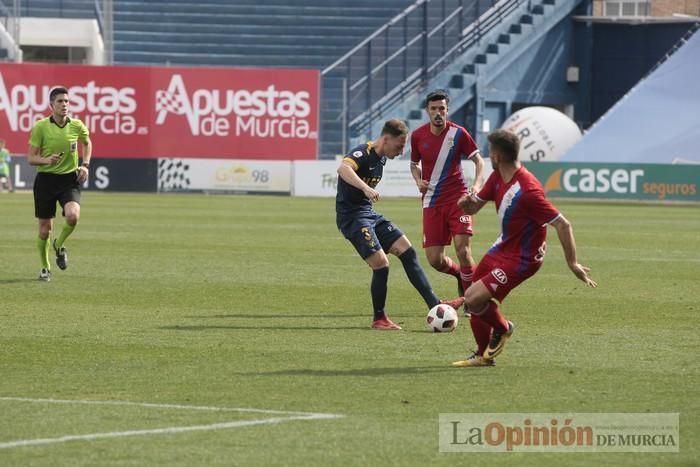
x=252, y=176
x=320, y=178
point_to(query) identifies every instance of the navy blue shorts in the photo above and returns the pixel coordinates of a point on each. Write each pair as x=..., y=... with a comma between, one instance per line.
x=368, y=232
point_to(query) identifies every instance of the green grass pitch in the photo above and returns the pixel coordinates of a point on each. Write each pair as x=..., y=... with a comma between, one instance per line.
x=259, y=303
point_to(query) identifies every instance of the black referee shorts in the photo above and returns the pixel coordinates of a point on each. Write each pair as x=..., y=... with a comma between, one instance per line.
x=49, y=188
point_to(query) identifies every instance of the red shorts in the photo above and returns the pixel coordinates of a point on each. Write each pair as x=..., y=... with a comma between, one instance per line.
x=441, y=223
x=501, y=275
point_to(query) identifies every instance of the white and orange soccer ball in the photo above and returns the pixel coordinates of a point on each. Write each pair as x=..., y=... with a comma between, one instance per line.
x=442, y=318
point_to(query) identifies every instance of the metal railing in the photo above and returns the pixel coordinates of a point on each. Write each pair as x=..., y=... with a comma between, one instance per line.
x=401, y=56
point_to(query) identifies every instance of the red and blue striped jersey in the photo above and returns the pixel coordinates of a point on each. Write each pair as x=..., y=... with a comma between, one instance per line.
x=524, y=212
x=440, y=157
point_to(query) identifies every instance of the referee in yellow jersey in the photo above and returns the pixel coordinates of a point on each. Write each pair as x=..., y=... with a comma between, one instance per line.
x=53, y=147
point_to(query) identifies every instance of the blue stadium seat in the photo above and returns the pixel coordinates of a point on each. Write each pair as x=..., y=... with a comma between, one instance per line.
x=310, y=34
x=57, y=9
x=251, y=33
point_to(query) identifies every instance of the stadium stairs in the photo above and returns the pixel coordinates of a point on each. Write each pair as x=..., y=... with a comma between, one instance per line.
x=477, y=65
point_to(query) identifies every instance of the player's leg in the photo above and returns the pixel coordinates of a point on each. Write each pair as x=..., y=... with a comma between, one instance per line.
x=4, y=175
x=478, y=297
x=379, y=263
x=44, y=211
x=491, y=289
x=436, y=236
x=360, y=232
x=42, y=244
x=70, y=201
x=461, y=228
x=466, y=260
x=403, y=249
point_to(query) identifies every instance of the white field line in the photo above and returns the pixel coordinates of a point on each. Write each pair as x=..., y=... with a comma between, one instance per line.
x=290, y=416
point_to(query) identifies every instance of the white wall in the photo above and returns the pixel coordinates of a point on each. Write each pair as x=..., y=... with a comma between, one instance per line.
x=62, y=32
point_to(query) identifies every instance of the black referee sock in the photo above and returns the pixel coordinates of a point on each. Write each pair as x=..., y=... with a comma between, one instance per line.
x=380, y=278
x=417, y=277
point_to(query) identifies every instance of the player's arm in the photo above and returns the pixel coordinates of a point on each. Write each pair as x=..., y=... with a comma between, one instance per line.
x=418, y=177
x=478, y=171
x=34, y=157
x=471, y=203
x=85, y=166
x=346, y=171
x=416, y=170
x=87, y=152
x=565, y=232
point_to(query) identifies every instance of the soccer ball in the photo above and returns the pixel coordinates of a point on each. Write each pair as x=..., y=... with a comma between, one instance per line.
x=442, y=318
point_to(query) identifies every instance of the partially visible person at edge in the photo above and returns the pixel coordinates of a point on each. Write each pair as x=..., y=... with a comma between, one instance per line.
x=5, y=175
x=372, y=235
x=53, y=147
x=518, y=252
x=437, y=149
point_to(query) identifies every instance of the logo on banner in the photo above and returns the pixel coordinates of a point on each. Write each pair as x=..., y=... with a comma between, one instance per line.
x=173, y=175
x=103, y=109
x=595, y=180
x=258, y=113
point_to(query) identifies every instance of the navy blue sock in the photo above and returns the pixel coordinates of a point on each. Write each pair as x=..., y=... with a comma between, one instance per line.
x=417, y=277
x=380, y=278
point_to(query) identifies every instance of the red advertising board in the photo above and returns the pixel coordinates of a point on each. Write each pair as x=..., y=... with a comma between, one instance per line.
x=151, y=112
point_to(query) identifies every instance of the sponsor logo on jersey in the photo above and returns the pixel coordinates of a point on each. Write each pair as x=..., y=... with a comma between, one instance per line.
x=500, y=275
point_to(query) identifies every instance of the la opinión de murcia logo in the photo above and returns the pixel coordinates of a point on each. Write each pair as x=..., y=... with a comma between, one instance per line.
x=103, y=109
x=268, y=112
x=584, y=432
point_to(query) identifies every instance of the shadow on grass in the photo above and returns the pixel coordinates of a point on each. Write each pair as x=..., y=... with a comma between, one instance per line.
x=276, y=327
x=279, y=316
x=18, y=281
x=358, y=371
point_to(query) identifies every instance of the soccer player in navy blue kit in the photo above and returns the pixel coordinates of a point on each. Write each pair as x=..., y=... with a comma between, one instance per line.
x=372, y=235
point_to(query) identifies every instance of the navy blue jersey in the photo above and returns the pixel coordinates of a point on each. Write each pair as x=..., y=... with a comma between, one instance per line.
x=369, y=166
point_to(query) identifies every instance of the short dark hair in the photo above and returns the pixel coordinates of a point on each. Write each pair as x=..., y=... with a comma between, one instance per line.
x=56, y=91
x=506, y=143
x=437, y=95
x=395, y=127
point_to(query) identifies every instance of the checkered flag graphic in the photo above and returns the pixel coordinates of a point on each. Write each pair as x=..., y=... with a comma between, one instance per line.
x=169, y=102
x=173, y=175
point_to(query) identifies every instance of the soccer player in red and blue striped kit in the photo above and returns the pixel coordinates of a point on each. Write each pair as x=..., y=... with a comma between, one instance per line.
x=518, y=252
x=437, y=149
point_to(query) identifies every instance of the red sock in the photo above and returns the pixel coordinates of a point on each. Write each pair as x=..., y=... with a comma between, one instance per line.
x=494, y=317
x=450, y=267
x=466, y=274
x=482, y=333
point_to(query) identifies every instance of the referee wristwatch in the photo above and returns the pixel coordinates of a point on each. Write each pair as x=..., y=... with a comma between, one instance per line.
x=86, y=165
